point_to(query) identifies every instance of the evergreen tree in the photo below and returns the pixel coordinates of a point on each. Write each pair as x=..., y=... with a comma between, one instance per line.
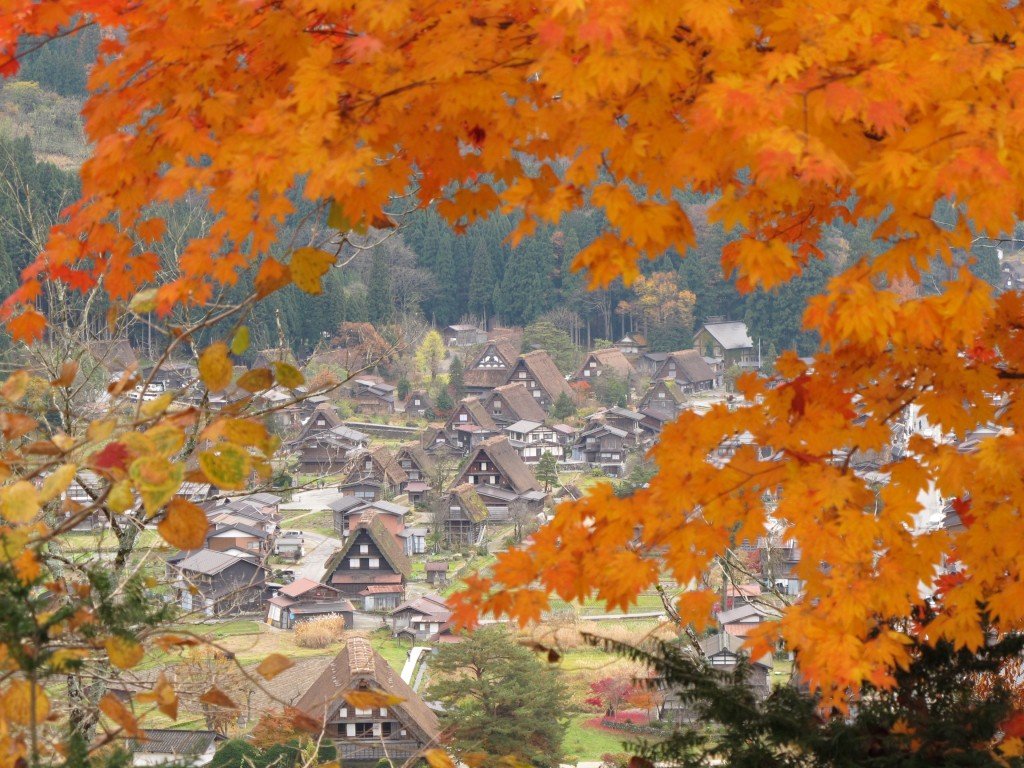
x=443, y=402
x=380, y=304
x=499, y=699
x=481, y=285
x=524, y=292
x=563, y=407
x=547, y=470
x=402, y=388
x=456, y=382
x=446, y=302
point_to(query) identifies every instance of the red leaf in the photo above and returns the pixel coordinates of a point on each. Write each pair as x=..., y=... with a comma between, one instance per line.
x=962, y=507
x=113, y=456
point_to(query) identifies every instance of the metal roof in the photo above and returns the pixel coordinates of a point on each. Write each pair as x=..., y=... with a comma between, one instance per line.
x=731, y=335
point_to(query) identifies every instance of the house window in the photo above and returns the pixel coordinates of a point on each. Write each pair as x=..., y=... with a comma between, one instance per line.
x=462, y=417
x=416, y=401
x=536, y=394
x=586, y=372
x=661, y=395
x=353, y=562
x=493, y=479
x=368, y=464
x=374, y=562
x=522, y=374
x=321, y=422
x=364, y=549
x=483, y=466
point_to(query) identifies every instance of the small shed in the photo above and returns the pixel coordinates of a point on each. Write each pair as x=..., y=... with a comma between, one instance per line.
x=437, y=573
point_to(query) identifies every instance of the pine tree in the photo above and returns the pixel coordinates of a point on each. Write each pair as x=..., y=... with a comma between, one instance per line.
x=499, y=699
x=456, y=382
x=445, y=303
x=380, y=303
x=563, y=407
x=547, y=470
x=481, y=285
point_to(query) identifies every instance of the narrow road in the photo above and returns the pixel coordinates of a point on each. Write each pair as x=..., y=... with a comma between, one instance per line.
x=318, y=549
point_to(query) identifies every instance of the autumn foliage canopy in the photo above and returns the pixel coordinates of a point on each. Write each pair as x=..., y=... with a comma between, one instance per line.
x=793, y=113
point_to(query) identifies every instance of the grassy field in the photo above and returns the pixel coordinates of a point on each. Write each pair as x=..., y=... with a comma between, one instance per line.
x=586, y=743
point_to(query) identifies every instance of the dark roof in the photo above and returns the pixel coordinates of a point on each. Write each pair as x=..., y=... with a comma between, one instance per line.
x=209, y=562
x=508, y=463
x=345, y=503
x=259, y=533
x=485, y=378
x=690, y=367
x=518, y=398
x=168, y=741
x=439, y=566
x=545, y=373
x=393, y=552
x=470, y=502
x=358, y=663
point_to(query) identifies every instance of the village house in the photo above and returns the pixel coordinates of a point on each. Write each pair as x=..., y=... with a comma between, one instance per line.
x=240, y=539
x=741, y=619
x=418, y=403
x=538, y=373
x=778, y=564
x=259, y=510
x=648, y=363
x=422, y=618
x=216, y=583
x=373, y=475
x=371, y=569
x=501, y=478
x=396, y=733
x=328, y=451
x=465, y=516
x=722, y=652
x=603, y=446
x=632, y=344
x=163, y=746
x=113, y=356
x=510, y=403
x=290, y=546
x=605, y=362
x=464, y=336
x=414, y=541
x=532, y=440
x=688, y=370
x=357, y=346
x=306, y=599
x=727, y=341
x=665, y=397
x=392, y=515
x=490, y=368
x=340, y=508
x=469, y=423
x=419, y=466
x=370, y=396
